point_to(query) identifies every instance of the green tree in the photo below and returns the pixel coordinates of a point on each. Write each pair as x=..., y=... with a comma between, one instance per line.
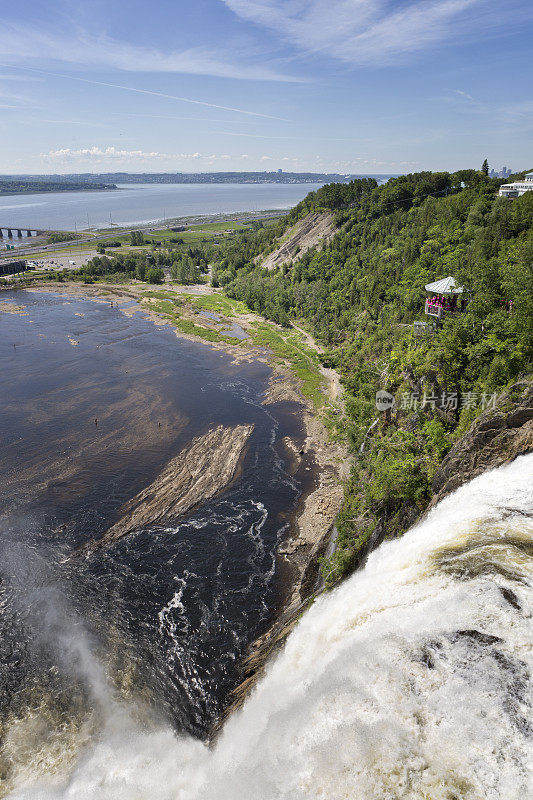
x=485, y=167
x=154, y=275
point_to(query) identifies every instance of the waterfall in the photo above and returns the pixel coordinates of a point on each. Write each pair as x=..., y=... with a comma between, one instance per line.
x=367, y=434
x=411, y=680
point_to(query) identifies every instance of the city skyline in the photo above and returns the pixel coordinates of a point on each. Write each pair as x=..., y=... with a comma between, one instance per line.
x=350, y=86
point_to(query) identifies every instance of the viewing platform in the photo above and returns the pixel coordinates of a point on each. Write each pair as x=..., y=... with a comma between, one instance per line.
x=433, y=310
x=444, y=298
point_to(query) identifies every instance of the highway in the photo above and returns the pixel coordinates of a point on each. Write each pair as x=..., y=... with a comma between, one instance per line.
x=37, y=248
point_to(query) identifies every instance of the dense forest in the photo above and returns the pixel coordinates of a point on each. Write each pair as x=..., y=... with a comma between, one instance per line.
x=360, y=295
x=29, y=185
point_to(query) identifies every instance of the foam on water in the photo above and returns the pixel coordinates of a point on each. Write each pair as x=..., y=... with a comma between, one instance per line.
x=412, y=680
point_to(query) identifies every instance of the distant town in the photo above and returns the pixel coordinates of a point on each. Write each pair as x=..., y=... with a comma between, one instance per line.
x=108, y=180
x=503, y=173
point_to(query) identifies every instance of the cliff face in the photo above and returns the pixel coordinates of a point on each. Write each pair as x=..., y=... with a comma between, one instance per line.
x=498, y=436
x=307, y=233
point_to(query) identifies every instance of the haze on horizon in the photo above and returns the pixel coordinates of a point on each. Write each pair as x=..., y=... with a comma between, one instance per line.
x=306, y=85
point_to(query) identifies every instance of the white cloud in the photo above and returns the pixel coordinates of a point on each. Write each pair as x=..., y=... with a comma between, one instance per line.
x=23, y=44
x=461, y=93
x=112, y=154
x=107, y=154
x=375, y=31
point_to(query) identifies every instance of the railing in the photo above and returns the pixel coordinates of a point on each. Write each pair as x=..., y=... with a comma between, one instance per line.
x=434, y=310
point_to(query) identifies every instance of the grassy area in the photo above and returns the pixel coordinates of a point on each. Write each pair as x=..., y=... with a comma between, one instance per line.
x=219, y=304
x=289, y=346
x=170, y=310
x=160, y=294
x=220, y=226
x=194, y=234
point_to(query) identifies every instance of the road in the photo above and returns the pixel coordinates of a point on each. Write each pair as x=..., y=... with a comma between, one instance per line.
x=11, y=255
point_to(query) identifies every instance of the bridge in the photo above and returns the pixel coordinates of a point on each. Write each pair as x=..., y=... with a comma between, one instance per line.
x=11, y=232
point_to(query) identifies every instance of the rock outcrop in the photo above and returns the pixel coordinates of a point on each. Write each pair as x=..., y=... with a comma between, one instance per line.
x=199, y=472
x=307, y=233
x=497, y=437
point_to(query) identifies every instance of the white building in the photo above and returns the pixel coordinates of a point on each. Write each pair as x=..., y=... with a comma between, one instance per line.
x=519, y=188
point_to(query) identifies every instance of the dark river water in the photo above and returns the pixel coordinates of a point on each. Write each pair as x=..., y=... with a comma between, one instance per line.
x=94, y=403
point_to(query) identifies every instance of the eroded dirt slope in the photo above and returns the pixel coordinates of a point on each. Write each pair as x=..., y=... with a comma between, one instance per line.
x=307, y=233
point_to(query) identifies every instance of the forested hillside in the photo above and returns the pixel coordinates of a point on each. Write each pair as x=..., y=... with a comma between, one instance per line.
x=360, y=294
x=27, y=186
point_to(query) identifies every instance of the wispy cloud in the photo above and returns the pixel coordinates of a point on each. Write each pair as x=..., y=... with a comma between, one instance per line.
x=21, y=78
x=461, y=93
x=376, y=32
x=112, y=154
x=21, y=44
x=136, y=90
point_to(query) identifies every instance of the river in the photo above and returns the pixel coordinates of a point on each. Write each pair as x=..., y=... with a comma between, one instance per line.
x=97, y=401
x=133, y=204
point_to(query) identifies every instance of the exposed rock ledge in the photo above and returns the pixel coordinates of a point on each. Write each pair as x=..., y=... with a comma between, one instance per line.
x=196, y=474
x=497, y=437
x=307, y=233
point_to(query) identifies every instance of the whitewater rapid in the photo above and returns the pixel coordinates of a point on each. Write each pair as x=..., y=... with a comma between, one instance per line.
x=411, y=680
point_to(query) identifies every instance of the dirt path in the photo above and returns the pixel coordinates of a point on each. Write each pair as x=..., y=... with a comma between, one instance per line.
x=332, y=378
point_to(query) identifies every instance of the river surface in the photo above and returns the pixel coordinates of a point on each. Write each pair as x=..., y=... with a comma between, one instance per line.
x=133, y=204
x=94, y=404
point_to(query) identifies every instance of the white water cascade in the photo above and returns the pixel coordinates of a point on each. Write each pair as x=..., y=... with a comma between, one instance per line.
x=409, y=681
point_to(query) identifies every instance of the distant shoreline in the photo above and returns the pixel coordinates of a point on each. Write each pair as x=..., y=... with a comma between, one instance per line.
x=55, y=190
x=273, y=178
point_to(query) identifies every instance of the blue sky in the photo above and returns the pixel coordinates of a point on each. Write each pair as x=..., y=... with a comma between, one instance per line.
x=320, y=85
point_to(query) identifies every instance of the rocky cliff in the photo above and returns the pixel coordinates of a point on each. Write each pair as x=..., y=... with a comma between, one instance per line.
x=308, y=232
x=498, y=436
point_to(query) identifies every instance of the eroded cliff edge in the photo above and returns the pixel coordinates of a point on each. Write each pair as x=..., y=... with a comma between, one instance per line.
x=497, y=437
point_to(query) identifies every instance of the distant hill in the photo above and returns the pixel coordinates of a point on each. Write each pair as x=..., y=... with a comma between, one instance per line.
x=184, y=177
x=27, y=185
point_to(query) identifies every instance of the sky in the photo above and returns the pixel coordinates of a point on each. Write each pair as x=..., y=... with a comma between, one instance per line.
x=349, y=86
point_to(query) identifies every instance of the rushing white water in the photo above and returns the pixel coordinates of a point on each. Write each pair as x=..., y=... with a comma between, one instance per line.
x=409, y=681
